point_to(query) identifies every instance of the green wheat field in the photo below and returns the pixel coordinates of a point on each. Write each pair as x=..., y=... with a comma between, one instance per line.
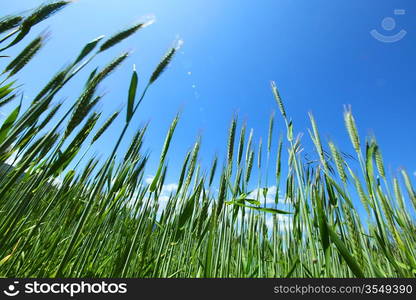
x=62, y=215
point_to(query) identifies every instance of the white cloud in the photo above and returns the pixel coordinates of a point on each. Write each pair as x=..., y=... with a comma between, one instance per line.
x=149, y=179
x=270, y=197
x=282, y=220
x=57, y=181
x=162, y=202
x=166, y=189
x=169, y=188
x=165, y=193
x=12, y=159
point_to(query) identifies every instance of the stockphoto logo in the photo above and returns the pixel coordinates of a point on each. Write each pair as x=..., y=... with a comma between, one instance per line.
x=12, y=289
x=70, y=289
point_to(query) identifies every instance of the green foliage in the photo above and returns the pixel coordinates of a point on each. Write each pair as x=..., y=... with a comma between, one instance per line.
x=66, y=214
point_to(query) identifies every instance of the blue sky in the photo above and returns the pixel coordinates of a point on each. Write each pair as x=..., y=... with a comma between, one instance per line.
x=320, y=53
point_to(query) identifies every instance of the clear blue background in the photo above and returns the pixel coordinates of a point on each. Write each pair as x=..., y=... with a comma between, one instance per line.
x=320, y=53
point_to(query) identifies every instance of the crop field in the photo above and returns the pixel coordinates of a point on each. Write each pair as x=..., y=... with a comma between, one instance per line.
x=67, y=214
